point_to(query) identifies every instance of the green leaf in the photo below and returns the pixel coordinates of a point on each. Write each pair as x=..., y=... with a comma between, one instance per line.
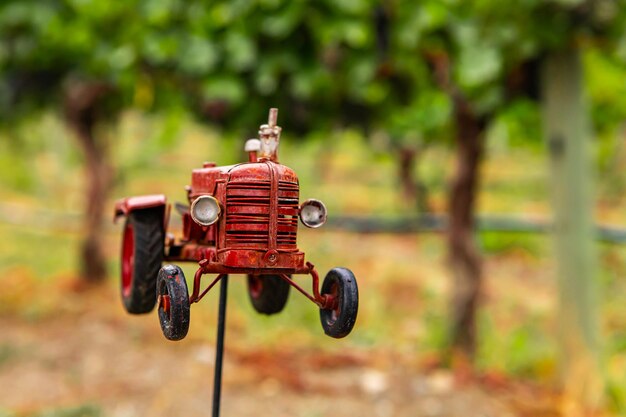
x=241, y=53
x=479, y=64
x=282, y=24
x=198, y=56
x=225, y=87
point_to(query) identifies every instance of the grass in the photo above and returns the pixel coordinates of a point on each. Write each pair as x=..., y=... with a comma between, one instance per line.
x=44, y=252
x=403, y=280
x=87, y=410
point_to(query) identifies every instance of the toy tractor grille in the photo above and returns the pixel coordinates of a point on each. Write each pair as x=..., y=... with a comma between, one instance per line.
x=287, y=214
x=248, y=215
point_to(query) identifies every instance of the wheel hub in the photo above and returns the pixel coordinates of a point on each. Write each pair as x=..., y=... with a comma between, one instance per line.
x=164, y=303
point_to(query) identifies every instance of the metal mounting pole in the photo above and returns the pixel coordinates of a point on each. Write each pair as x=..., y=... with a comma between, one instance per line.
x=219, y=347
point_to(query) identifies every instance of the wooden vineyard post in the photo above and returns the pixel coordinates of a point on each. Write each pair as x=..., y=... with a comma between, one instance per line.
x=568, y=136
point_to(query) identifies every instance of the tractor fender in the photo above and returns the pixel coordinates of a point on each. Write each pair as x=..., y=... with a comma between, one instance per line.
x=127, y=205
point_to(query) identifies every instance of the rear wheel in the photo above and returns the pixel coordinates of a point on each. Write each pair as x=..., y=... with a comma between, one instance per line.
x=268, y=293
x=340, y=284
x=142, y=255
x=173, y=298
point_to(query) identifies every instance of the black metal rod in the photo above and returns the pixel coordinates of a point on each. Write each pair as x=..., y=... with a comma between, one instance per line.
x=219, y=347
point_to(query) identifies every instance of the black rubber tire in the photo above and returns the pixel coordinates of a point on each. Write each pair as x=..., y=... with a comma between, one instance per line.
x=149, y=244
x=339, y=322
x=268, y=293
x=171, y=282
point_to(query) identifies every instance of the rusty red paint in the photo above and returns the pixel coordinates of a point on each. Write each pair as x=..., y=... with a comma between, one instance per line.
x=255, y=234
x=128, y=253
x=195, y=296
x=334, y=306
x=258, y=231
x=164, y=303
x=126, y=205
x=255, y=286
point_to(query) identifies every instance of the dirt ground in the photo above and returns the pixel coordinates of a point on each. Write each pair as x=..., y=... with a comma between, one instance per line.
x=97, y=356
x=69, y=351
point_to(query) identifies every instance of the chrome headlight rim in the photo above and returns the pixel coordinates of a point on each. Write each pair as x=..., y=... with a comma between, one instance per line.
x=322, y=216
x=205, y=199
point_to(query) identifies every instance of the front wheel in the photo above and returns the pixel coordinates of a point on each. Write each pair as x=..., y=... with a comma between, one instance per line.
x=173, y=299
x=268, y=293
x=340, y=284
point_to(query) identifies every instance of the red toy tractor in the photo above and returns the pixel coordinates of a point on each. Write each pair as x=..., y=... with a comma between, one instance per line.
x=240, y=219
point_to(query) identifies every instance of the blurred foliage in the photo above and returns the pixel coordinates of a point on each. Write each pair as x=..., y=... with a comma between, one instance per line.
x=367, y=63
x=494, y=243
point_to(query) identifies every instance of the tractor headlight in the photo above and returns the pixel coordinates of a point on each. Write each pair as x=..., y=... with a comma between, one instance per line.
x=205, y=210
x=313, y=213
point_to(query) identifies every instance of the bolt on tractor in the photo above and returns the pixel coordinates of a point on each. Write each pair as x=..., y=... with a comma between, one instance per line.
x=239, y=219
